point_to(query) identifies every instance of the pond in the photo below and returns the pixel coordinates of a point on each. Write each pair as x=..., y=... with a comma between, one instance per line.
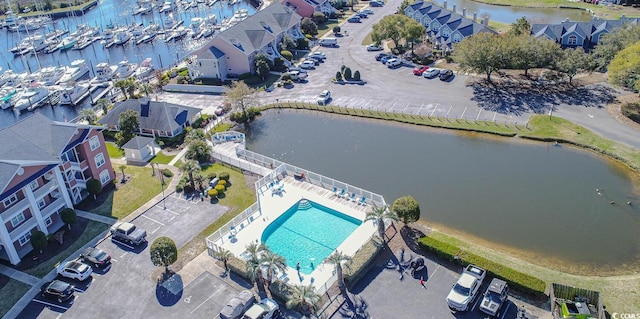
x=548, y=203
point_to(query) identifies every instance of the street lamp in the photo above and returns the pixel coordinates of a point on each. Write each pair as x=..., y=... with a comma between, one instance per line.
x=164, y=204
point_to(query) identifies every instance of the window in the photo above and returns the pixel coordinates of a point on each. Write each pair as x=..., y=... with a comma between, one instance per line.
x=104, y=177
x=10, y=200
x=457, y=38
x=41, y=203
x=573, y=40
x=99, y=159
x=33, y=185
x=24, y=239
x=94, y=143
x=445, y=32
x=17, y=219
x=48, y=221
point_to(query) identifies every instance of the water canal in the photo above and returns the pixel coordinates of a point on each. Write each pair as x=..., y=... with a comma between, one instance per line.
x=507, y=14
x=550, y=204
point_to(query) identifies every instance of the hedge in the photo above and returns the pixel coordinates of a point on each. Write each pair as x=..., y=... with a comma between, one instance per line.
x=516, y=280
x=355, y=269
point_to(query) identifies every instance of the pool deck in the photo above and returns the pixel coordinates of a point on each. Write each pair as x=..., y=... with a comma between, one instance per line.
x=274, y=203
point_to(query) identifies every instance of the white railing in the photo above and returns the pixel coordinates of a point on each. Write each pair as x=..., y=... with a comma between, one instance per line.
x=230, y=229
x=241, y=164
x=228, y=136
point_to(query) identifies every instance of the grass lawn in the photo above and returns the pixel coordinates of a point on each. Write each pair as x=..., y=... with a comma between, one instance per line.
x=161, y=158
x=10, y=293
x=237, y=197
x=114, y=151
x=139, y=189
x=222, y=127
x=603, y=12
x=92, y=230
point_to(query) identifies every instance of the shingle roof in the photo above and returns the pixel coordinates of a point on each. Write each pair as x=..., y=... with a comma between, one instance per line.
x=22, y=145
x=163, y=116
x=585, y=29
x=138, y=142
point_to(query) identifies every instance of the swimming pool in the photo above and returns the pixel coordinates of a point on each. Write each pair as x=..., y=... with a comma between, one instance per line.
x=307, y=233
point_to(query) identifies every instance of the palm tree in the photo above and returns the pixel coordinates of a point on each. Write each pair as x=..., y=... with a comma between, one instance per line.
x=146, y=88
x=191, y=167
x=336, y=259
x=104, y=105
x=272, y=263
x=255, y=250
x=224, y=255
x=253, y=265
x=378, y=215
x=88, y=115
x=122, y=168
x=122, y=85
x=200, y=180
x=305, y=298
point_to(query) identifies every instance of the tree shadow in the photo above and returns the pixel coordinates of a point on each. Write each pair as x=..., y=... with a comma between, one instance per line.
x=169, y=289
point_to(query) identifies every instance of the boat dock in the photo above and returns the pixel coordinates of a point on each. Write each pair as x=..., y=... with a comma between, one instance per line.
x=53, y=98
x=104, y=92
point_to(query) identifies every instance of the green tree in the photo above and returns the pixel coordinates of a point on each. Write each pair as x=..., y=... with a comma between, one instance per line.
x=68, y=216
x=573, y=61
x=194, y=135
x=287, y=43
x=302, y=44
x=128, y=123
x=336, y=29
x=38, y=240
x=308, y=27
x=403, y=5
x=337, y=259
x=104, y=105
x=414, y=32
x=520, y=27
x=396, y=27
x=338, y=76
x=378, y=215
x=199, y=151
x=252, y=264
x=352, y=3
x=407, y=209
x=88, y=115
x=146, y=88
x=318, y=18
x=624, y=69
x=224, y=255
x=262, y=69
x=356, y=75
x=611, y=43
x=163, y=252
x=304, y=298
x=94, y=187
x=241, y=96
x=481, y=53
x=191, y=167
x=126, y=86
x=272, y=263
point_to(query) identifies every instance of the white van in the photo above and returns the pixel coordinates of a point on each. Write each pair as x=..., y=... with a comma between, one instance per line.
x=328, y=42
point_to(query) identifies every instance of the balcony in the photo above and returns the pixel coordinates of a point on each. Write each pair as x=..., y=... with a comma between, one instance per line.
x=17, y=207
x=45, y=189
x=49, y=175
x=25, y=226
x=52, y=207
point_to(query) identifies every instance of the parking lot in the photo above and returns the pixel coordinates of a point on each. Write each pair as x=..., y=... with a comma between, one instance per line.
x=127, y=289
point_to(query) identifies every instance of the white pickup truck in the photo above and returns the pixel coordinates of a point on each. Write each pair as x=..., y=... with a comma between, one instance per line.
x=465, y=290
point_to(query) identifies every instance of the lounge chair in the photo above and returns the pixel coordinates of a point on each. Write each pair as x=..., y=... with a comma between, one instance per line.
x=335, y=191
x=343, y=193
x=362, y=201
x=352, y=197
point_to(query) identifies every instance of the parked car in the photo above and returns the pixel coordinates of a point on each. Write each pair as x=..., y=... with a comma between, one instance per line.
x=354, y=20
x=420, y=70
x=367, y=11
x=445, y=74
x=393, y=63
x=381, y=56
x=96, y=257
x=494, y=297
x=324, y=97
x=57, y=290
x=318, y=55
x=266, y=309
x=431, y=73
x=376, y=3
x=387, y=58
x=328, y=42
x=295, y=68
x=75, y=270
x=128, y=233
x=465, y=290
x=308, y=64
x=297, y=75
x=361, y=15
x=238, y=305
x=373, y=47
x=219, y=111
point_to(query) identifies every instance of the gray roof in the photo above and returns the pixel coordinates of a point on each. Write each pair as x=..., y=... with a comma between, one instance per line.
x=585, y=29
x=138, y=142
x=256, y=31
x=161, y=116
x=36, y=140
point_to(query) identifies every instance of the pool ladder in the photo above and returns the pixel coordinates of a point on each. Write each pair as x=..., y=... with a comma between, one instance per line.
x=304, y=204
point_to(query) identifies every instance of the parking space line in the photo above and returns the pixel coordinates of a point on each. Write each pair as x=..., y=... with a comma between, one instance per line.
x=392, y=106
x=212, y=295
x=381, y=102
x=122, y=243
x=151, y=219
x=434, y=109
x=504, y=312
x=125, y=253
x=78, y=289
x=50, y=304
x=172, y=212
x=155, y=230
x=405, y=108
x=433, y=274
x=420, y=108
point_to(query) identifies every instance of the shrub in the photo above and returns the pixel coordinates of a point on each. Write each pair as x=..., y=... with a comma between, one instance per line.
x=338, y=76
x=179, y=188
x=244, y=76
x=302, y=44
x=336, y=29
x=358, y=265
x=356, y=76
x=224, y=176
x=347, y=73
x=212, y=176
x=632, y=111
x=308, y=36
x=212, y=193
x=287, y=55
x=167, y=172
x=188, y=188
x=286, y=77
x=516, y=280
x=222, y=182
x=220, y=188
x=318, y=17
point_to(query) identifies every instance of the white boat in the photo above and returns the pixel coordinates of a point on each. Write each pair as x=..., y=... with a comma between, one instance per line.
x=125, y=69
x=142, y=10
x=67, y=43
x=167, y=6
x=50, y=75
x=177, y=34
x=31, y=98
x=107, y=35
x=104, y=72
x=145, y=69
x=207, y=31
x=8, y=94
x=168, y=22
x=34, y=42
x=121, y=37
x=211, y=19
x=72, y=95
x=196, y=24
x=77, y=70
x=11, y=78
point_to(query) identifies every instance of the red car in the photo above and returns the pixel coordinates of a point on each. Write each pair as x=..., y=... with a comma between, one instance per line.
x=420, y=70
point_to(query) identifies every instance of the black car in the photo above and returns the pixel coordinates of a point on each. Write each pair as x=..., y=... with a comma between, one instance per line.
x=58, y=290
x=445, y=74
x=96, y=256
x=380, y=56
x=362, y=15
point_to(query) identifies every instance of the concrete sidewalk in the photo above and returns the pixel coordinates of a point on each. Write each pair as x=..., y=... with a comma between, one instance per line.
x=19, y=275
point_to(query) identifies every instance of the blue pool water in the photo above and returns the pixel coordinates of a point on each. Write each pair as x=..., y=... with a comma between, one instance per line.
x=307, y=233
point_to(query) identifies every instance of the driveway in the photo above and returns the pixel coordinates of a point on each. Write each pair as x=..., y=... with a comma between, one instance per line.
x=128, y=289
